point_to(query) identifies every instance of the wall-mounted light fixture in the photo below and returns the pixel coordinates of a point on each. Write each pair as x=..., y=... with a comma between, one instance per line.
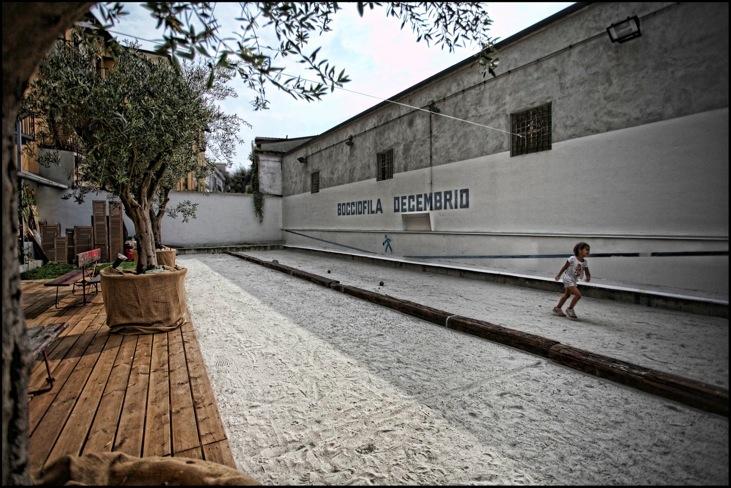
x=625, y=30
x=302, y=159
x=349, y=142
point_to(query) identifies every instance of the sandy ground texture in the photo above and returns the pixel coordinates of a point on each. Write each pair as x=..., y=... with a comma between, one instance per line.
x=318, y=387
x=695, y=276
x=694, y=346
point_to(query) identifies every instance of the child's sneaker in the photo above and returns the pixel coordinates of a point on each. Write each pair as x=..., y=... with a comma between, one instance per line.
x=558, y=311
x=571, y=314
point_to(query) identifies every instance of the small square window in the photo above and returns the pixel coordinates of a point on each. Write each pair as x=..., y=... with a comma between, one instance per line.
x=384, y=165
x=315, y=182
x=535, y=127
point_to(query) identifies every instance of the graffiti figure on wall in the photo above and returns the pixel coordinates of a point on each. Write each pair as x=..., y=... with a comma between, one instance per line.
x=387, y=244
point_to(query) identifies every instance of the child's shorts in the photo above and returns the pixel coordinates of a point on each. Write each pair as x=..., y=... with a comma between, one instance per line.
x=568, y=284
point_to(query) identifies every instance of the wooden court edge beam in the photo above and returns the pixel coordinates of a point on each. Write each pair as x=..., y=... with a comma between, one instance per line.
x=684, y=390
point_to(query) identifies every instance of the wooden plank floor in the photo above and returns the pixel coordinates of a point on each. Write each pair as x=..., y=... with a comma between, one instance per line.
x=146, y=395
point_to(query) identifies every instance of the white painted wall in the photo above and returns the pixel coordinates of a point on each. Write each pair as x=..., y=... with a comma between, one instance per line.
x=452, y=245
x=660, y=187
x=222, y=219
x=668, y=178
x=270, y=174
x=55, y=210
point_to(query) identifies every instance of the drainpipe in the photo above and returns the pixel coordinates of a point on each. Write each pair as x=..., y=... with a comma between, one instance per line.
x=431, y=175
x=431, y=169
x=432, y=110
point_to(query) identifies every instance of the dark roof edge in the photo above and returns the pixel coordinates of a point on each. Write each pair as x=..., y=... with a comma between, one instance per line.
x=282, y=139
x=515, y=37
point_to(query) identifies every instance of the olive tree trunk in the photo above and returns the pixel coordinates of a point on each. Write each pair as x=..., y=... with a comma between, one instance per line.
x=140, y=214
x=29, y=30
x=156, y=217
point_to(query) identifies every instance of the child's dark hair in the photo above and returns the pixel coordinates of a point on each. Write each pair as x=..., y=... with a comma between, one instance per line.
x=578, y=247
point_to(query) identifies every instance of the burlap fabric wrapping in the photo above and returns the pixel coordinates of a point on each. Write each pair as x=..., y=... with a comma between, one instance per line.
x=166, y=256
x=117, y=468
x=146, y=303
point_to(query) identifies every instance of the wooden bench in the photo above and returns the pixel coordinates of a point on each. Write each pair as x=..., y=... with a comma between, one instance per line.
x=39, y=338
x=84, y=260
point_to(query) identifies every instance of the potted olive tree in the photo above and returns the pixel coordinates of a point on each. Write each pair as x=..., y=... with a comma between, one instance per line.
x=138, y=127
x=220, y=142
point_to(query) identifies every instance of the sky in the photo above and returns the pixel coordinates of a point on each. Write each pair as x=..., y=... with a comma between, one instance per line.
x=380, y=59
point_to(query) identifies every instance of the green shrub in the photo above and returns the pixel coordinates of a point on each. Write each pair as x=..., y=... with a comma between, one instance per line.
x=127, y=265
x=52, y=270
x=47, y=271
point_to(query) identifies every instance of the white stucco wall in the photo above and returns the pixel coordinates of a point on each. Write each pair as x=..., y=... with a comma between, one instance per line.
x=222, y=219
x=656, y=188
x=55, y=210
x=667, y=178
x=270, y=174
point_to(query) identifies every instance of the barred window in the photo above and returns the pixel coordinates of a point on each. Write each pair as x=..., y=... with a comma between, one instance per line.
x=315, y=182
x=384, y=165
x=535, y=127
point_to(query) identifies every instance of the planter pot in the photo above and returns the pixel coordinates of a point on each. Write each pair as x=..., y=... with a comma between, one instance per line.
x=131, y=255
x=144, y=304
x=166, y=257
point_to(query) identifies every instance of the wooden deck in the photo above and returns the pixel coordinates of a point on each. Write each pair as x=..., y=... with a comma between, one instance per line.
x=145, y=395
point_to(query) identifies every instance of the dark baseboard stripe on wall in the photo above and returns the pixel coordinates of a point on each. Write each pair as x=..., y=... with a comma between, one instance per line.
x=524, y=256
x=690, y=253
x=593, y=255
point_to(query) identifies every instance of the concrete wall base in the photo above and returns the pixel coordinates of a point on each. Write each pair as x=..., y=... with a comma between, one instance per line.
x=265, y=246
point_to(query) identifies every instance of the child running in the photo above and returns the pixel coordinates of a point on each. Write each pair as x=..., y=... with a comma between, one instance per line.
x=572, y=271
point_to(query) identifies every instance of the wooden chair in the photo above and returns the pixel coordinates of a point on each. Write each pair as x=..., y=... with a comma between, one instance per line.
x=39, y=338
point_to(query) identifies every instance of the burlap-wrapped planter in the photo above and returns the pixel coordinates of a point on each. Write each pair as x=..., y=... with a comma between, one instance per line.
x=166, y=256
x=120, y=469
x=146, y=303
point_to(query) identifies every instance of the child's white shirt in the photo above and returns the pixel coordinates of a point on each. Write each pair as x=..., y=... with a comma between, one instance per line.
x=576, y=269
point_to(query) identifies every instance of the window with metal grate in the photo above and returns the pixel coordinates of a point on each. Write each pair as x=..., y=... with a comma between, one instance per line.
x=535, y=126
x=384, y=165
x=315, y=182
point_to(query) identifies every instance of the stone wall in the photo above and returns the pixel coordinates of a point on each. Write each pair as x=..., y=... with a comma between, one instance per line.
x=678, y=67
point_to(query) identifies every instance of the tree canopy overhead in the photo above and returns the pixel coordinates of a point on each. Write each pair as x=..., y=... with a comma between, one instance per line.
x=191, y=29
